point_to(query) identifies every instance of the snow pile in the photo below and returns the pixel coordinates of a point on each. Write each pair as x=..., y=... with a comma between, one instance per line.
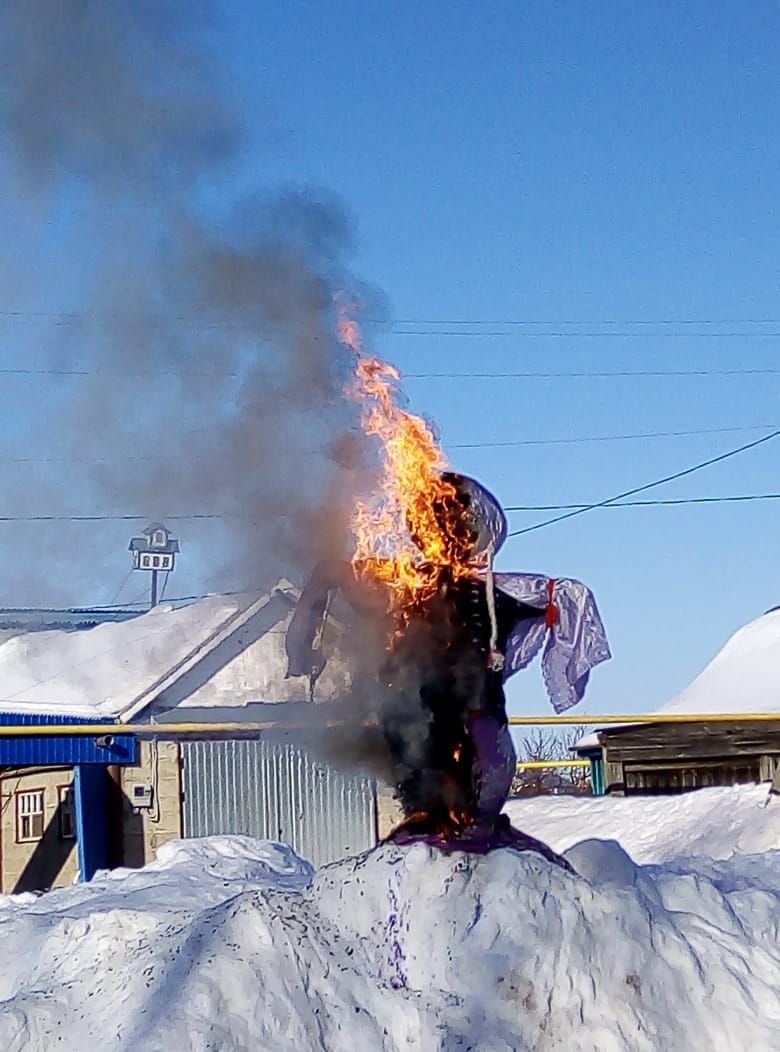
x=716, y=822
x=231, y=944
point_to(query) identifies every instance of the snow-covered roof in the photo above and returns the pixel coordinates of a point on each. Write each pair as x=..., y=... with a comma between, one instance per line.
x=117, y=670
x=744, y=676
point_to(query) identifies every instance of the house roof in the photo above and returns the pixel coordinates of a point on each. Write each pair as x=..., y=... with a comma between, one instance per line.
x=220, y=650
x=744, y=676
x=29, y=619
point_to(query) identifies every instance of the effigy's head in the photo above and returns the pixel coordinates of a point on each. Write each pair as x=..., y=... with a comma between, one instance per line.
x=469, y=517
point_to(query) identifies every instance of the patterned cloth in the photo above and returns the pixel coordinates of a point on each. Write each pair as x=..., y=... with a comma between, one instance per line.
x=575, y=643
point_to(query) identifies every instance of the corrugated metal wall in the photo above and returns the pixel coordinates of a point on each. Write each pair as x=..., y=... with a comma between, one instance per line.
x=60, y=749
x=276, y=791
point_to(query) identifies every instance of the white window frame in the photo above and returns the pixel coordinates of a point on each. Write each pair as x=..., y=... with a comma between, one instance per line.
x=29, y=804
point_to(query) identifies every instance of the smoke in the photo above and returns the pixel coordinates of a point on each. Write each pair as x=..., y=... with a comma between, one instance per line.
x=200, y=322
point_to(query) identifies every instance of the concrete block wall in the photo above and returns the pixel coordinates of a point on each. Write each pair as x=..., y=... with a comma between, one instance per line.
x=388, y=810
x=48, y=863
x=147, y=830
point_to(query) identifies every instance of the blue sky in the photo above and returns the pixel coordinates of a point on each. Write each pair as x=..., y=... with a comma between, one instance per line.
x=592, y=162
x=560, y=163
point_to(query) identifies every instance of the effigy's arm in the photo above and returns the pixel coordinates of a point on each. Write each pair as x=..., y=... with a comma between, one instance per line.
x=304, y=633
x=569, y=629
x=304, y=656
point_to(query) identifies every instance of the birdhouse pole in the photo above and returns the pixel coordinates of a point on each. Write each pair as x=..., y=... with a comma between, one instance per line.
x=154, y=552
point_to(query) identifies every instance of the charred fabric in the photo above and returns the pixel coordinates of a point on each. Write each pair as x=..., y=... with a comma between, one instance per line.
x=444, y=719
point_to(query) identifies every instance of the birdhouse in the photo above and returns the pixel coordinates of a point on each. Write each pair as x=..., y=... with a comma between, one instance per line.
x=155, y=550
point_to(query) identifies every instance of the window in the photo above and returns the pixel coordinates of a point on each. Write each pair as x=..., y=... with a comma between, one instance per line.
x=159, y=539
x=29, y=816
x=66, y=813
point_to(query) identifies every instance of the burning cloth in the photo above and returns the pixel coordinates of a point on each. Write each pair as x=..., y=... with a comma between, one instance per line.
x=443, y=714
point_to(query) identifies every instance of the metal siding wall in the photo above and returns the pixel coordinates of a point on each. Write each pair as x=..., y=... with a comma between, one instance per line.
x=276, y=791
x=42, y=752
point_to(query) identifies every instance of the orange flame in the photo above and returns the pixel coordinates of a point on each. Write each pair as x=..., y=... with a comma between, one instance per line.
x=399, y=540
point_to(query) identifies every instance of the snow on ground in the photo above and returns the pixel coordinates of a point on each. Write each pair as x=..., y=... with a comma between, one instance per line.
x=715, y=822
x=232, y=944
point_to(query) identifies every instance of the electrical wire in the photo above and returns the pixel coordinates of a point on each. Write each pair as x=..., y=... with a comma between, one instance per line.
x=120, y=589
x=591, y=375
x=606, y=438
x=648, y=503
x=115, y=518
x=649, y=485
x=559, y=334
x=85, y=318
x=575, y=440
x=612, y=503
x=530, y=375
x=585, y=321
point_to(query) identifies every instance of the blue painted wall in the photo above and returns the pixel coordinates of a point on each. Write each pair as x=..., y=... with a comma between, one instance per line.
x=90, y=797
x=60, y=750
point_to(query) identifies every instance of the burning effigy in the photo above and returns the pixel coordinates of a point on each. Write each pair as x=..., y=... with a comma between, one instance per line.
x=422, y=571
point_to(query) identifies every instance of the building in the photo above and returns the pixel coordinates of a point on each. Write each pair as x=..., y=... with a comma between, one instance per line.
x=74, y=804
x=744, y=677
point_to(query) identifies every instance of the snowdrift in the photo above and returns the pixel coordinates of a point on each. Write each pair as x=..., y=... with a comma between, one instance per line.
x=231, y=944
x=740, y=819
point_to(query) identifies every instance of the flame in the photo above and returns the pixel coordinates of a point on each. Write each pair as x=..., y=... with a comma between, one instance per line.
x=398, y=534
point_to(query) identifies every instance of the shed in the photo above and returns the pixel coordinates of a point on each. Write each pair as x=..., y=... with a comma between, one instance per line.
x=744, y=677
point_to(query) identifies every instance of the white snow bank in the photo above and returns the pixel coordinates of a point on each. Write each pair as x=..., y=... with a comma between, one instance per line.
x=225, y=944
x=714, y=822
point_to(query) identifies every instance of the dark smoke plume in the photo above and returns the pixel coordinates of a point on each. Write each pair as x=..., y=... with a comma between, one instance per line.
x=202, y=323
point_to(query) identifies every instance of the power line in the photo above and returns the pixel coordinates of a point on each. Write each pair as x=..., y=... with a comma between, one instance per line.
x=614, y=503
x=575, y=440
x=519, y=322
x=116, y=518
x=415, y=324
x=590, y=335
x=583, y=375
x=590, y=375
x=649, y=485
x=646, y=503
x=605, y=438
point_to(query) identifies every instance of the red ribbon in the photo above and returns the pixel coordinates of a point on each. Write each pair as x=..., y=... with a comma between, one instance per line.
x=551, y=614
